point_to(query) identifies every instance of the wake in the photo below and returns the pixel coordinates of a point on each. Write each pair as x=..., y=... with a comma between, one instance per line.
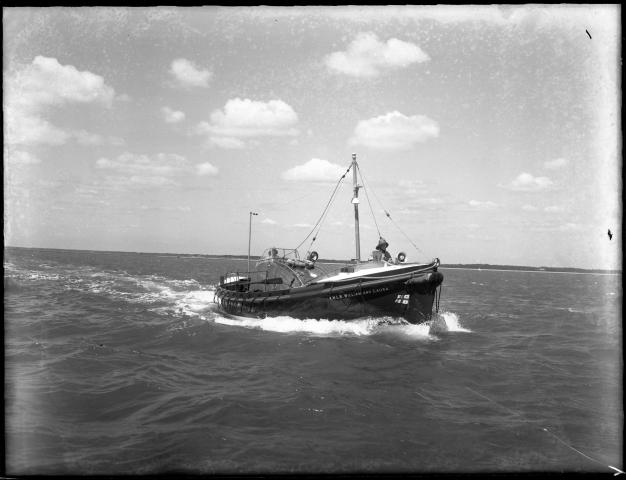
x=369, y=326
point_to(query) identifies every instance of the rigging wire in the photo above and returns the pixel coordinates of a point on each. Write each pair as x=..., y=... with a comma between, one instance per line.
x=402, y=232
x=325, y=211
x=388, y=216
x=318, y=230
x=368, y=199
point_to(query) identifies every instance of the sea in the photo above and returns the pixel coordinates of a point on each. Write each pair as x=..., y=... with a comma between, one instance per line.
x=119, y=363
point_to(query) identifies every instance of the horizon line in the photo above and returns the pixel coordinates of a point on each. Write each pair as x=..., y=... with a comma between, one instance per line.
x=244, y=256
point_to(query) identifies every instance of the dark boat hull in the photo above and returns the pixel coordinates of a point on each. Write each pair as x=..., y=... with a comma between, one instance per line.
x=409, y=296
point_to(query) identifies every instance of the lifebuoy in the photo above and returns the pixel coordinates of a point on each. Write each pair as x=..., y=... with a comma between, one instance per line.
x=401, y=257
x=313, y=256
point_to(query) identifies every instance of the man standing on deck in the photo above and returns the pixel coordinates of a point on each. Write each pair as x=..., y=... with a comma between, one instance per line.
x=382, y=247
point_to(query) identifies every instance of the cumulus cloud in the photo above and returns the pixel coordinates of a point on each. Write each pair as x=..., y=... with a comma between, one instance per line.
x=315, y=170
x=33, y=89
x=244, y=118
x=269, y=221
x=555, y=164
x=367, y=56
x=394, y=131
x=172, y=116
x=47, y=82
x=152, y=170
x=206, y=169
x=525, y=182
x=187, y=74
x=529, y=208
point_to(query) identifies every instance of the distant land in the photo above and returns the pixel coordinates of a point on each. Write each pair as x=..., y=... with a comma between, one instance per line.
x=468, y=266
x=487, y=266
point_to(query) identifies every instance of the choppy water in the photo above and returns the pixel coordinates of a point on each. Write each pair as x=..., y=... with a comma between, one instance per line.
x=117, y=363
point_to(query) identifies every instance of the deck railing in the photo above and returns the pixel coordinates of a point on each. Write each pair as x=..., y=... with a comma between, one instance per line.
x=251, y=281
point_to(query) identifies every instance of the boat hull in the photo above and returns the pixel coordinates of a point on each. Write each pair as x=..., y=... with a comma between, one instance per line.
x=409, y=295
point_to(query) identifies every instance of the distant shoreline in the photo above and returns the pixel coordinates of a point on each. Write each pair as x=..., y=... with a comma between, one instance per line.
x=460, y=266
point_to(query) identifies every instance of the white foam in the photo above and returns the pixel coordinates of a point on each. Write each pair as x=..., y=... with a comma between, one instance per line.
x=195, y=302
x=447, y=321
x=286, y=324
x=420, y=331
x=330, y=328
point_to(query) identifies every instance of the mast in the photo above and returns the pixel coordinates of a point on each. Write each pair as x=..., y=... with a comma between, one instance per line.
x=355, y=202
x=250, y=237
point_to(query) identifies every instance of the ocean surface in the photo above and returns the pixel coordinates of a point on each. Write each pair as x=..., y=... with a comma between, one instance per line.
x=118, y=363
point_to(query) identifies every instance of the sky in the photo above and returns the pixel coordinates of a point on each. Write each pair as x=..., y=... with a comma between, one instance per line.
x=490, y=134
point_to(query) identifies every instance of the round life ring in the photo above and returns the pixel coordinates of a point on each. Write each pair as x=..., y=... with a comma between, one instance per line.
x=401, y=257
x=313, y=256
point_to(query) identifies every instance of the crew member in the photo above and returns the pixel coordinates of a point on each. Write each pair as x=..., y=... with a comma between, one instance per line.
x=382, y=247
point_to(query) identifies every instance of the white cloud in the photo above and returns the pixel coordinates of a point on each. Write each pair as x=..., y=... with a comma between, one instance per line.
x=302, y=225
x=529, y=208
x=248, y=118
x=366, y=56
x=27, y=128
x=245, y=118
x=206, y=169
x=555, y=164
x=172, y=116
x=34, y=88
x=315, y=170
x=482, y=205
x=188, y=74
x=525, y=182
x=394, y=131
x=47, y=82
x=269, y=221
x=154, y=170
